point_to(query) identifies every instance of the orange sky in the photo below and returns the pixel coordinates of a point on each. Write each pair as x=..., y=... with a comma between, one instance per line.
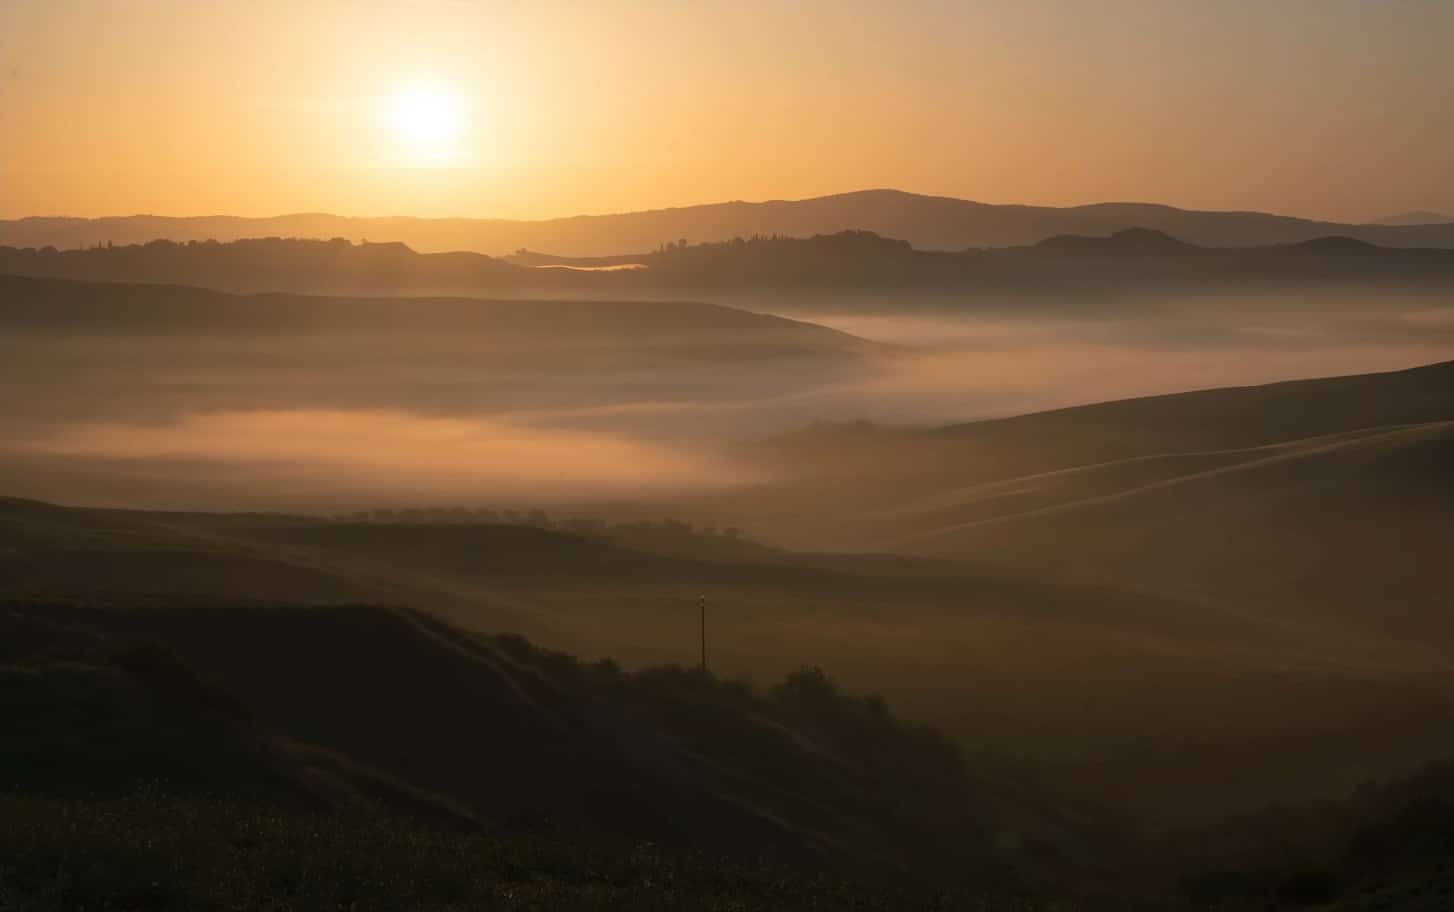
x=1325, y=108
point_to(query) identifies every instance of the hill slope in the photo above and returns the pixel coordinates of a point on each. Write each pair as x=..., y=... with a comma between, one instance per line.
x=261, y=720
x=42, y=305
x=1323, y=498
x=1007, y=663
x=504, y=732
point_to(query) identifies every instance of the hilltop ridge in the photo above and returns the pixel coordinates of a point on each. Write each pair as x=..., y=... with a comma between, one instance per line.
x=927, y=222
x=848, y=260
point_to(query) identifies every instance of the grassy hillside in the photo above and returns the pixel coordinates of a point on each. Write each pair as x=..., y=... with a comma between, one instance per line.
x=1173, y=425
x=1323, y=499
x=1346, y=527
x=1224, y=600
x=186, y=752
x=390, y=712
x=1023, y=673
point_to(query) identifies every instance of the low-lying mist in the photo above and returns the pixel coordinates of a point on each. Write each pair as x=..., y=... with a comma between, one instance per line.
x=966, y=366
x=310, y=459
x=1110, y=595
x=325, y=417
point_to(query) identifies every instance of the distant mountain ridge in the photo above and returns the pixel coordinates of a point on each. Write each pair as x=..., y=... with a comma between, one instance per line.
x=1417, y=217
x=926, y=222
x=1134, y=258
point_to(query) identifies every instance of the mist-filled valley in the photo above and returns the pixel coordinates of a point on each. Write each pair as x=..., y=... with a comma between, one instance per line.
x=137, y=395
x=685, y=456
x=1152, y=557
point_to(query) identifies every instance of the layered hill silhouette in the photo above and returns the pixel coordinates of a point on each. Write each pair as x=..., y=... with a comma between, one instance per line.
x=1324, y=498
x=530, y=330
x=1171, y=609
x=849, y=262
x=927, y=222
x=1418, y=217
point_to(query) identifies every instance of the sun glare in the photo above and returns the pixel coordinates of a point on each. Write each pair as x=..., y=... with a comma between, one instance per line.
x=427, y=120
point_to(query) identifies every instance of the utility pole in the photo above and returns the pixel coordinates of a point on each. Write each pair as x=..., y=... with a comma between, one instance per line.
x=703, y=605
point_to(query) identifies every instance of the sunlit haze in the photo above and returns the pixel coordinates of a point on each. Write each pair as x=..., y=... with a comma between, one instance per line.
x=762, y=455
x=1320, y=108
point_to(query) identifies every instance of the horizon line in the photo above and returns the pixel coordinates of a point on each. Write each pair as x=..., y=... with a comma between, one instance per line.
x=677, y=208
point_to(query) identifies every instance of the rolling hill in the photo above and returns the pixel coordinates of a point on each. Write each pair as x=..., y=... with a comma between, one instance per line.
x=492, y=728
x=841, y=266
x=1128, y=616
x=425, y=396
x=289, y=724
x=39, y=305
x=927, y=222
x=1022, y=672
x=1417, y=217
x=147, y=783
x=1318, y=499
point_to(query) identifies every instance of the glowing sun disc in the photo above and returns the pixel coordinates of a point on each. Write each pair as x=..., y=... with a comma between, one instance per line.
x=427, y=119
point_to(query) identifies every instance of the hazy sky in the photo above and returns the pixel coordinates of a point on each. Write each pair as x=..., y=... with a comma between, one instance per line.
x=1325, y=108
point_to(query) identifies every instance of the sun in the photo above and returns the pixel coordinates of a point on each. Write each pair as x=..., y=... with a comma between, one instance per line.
x=427, y=120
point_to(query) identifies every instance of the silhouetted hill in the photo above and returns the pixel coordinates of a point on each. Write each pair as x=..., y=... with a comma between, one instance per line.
x=926, y=222
x=1127, y=241
x=1003, y=661
x=1419, y=217
x=238, y=708
x=234, y=714
x=511, y=733
x=1335, y=245
x=529, y=330
x=1384, y=846
x=273, y=264
x=1134, y=259
x=100, y=716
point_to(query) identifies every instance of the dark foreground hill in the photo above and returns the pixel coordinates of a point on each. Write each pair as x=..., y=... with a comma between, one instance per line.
x=369, y=738
x=1043, y=683
x=928, y=222
x=1293, y=643
x=168, y=752
x=484, y=729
